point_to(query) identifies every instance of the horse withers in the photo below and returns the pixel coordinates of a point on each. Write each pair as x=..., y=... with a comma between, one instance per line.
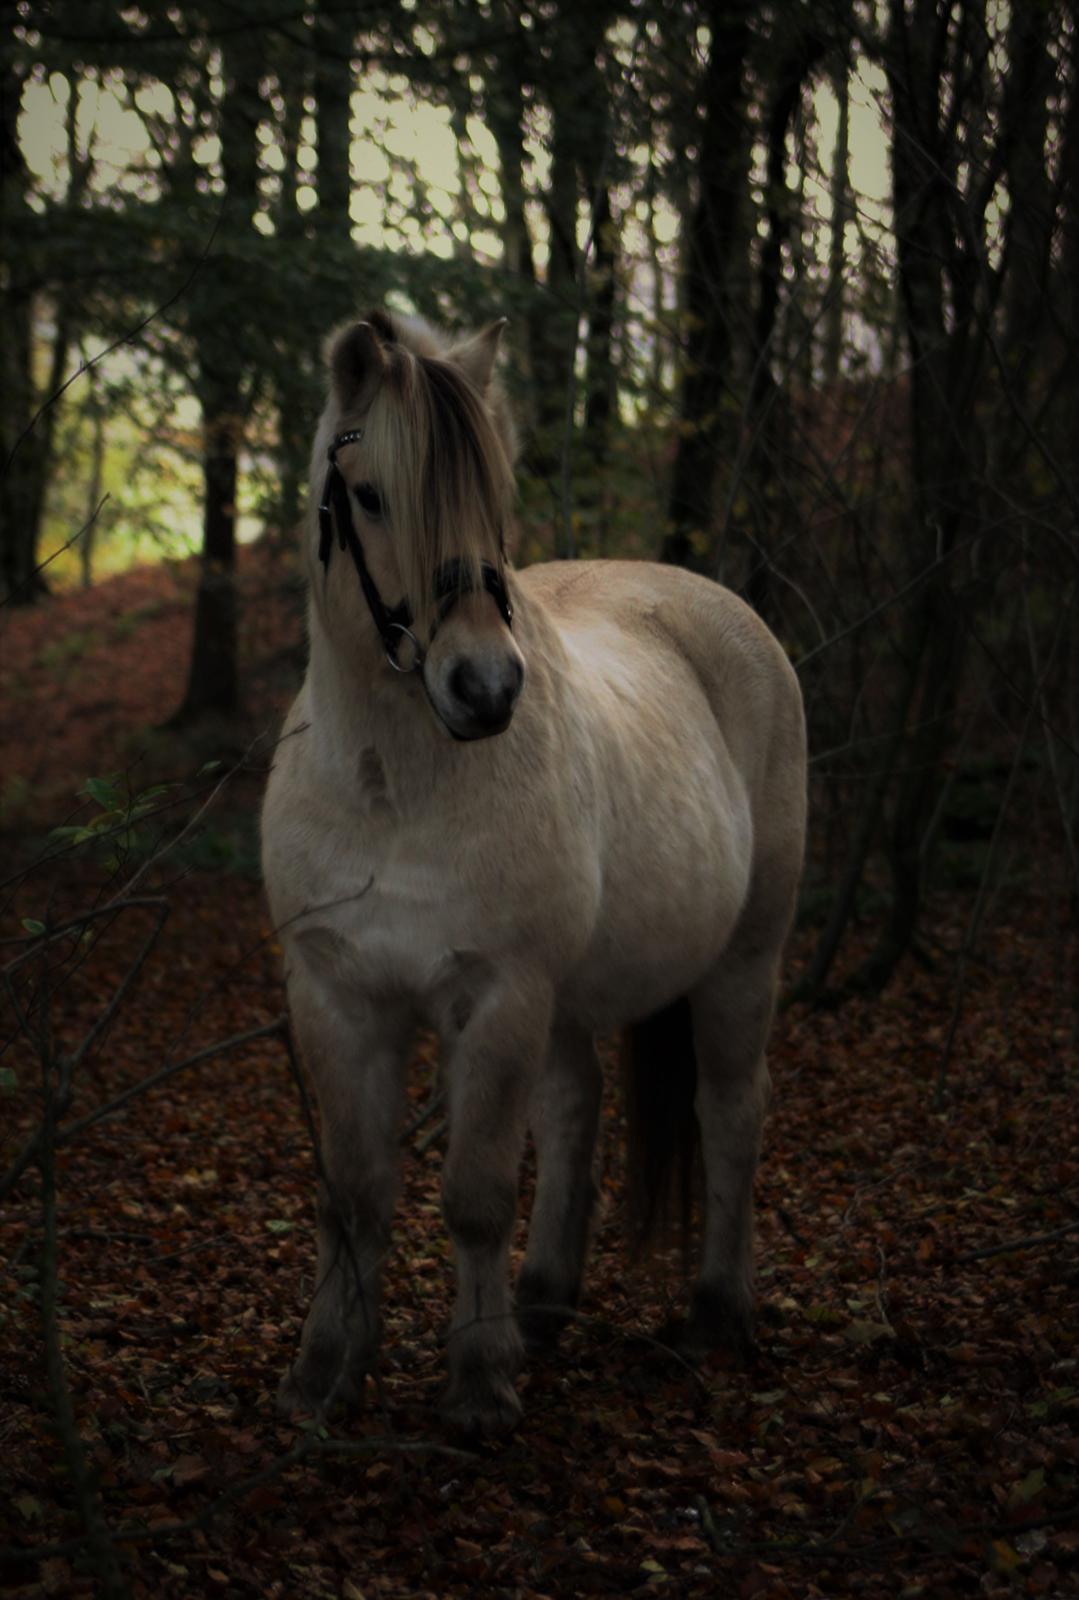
x=518, y=808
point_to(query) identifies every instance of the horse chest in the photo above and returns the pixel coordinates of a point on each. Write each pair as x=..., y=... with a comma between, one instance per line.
x=393, y=917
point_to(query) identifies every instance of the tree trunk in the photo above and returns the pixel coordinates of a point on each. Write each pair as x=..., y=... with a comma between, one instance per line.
x=96, y=417
x=334, y=37
x=709, y=247
x=504, y=104
x=20, y=476
x=601, y=379
x=840, y=200
x=947, y=353
x=554, y=323
x=293, y=382
x=213, y=682
x=25, y=450
x=781, y=210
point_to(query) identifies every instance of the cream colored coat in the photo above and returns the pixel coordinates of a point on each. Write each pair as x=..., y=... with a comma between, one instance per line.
x=633, y=837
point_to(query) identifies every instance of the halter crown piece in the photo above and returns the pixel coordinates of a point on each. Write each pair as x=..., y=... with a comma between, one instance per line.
x=393, y=623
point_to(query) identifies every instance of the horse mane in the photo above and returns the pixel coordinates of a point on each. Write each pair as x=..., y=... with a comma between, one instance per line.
x=438, y=459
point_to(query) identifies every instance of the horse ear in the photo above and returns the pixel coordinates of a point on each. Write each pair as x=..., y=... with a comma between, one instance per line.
x=357, y=365
x=476, y=357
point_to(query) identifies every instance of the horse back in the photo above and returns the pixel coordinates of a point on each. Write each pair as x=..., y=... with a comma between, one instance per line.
x=684, y=714
x=669, y=624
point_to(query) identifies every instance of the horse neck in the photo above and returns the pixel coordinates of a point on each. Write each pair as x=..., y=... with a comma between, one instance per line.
x=356, y=702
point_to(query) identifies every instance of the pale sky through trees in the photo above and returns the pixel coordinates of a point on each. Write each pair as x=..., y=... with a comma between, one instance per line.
x=415, y=189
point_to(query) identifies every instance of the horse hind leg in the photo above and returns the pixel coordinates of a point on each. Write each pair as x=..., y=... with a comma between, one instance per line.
x=564, y=1117
x=732, y=1013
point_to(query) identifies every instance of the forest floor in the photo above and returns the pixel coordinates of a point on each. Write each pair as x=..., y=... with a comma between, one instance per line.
x=908, y=1426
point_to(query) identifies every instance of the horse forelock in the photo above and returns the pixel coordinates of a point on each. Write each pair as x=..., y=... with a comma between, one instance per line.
x=440, y=467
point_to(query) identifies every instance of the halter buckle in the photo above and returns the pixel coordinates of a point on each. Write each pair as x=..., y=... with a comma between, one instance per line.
x=391, y=654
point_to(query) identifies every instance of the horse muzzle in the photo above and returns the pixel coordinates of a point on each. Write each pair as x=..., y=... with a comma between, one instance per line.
x=475, y=696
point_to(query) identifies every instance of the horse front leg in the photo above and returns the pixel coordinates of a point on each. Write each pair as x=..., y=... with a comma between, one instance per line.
x=356, y=1061
x=492, y=1071
x=564, y=1117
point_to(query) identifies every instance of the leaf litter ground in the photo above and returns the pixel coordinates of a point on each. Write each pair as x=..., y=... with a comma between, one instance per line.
x=908, y=1426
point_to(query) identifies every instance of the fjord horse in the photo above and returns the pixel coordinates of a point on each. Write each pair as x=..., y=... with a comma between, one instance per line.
x=518, y=808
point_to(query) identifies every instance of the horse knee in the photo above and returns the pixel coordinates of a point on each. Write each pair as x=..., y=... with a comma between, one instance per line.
x=358, y=1204
x=479, y=1209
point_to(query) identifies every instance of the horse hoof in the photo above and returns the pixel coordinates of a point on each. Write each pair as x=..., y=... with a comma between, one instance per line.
x=292, y=1400
x=488, y=1413
x=697, y=1336
x=304, y=1393
x=542, y=1314
x=541, y=1329
x=541, y=1335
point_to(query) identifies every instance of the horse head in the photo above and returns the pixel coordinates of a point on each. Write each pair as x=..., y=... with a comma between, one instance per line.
x=416, y=448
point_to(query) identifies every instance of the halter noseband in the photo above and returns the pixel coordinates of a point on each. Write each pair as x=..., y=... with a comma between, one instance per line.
x=394, y=623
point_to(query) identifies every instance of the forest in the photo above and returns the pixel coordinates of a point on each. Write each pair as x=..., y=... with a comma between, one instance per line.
x=792, y=294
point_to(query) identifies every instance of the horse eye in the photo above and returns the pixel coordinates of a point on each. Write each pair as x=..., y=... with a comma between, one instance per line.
x=369, y=498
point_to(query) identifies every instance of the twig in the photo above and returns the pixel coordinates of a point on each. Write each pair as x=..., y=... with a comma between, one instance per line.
x=189, y=1249
x=881, y=1311
x=78, y=924
x=310, y=1444
x=70, y=1063
x=435, y=1103
x=32, y=1146
x=234, y=1043
x=424, y=1144
x=975, y=920
x=63, y=549
x=1031, y=1242
x=87, y=1500
x=125, y=338
x=192, y=822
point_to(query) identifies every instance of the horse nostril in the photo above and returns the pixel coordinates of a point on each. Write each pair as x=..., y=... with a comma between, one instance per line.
x=488, y=701
x=464, y=682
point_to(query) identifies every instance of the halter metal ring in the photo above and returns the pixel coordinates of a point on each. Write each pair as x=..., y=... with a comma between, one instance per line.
x=417, y=658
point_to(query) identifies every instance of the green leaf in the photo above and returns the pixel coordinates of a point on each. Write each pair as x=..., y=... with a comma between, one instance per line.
x=32, y=925
x=279, y=1225
x=8, y=1079
x=104, y=821
x=1028, y=1488
x=1005, y=1558
x=104, y=791
x=863, y=1331
x=208, y=766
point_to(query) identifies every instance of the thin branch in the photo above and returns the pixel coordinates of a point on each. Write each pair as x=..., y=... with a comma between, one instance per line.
x=1032, y=1241
x=125, y=338
x=236, y=1042
x=434, y=1104
x=87, y=1499
x=310, y=1444
x=20, y=588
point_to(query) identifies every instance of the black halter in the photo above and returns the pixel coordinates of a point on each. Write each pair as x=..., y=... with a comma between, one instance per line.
x=394, y=623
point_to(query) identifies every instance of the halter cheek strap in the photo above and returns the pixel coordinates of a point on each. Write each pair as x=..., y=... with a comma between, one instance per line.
x=393, y=623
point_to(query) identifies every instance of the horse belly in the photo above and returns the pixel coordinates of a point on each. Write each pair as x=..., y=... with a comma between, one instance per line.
x=670, y=900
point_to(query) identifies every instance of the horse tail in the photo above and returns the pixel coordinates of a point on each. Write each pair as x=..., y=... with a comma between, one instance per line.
x=663, y=1142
